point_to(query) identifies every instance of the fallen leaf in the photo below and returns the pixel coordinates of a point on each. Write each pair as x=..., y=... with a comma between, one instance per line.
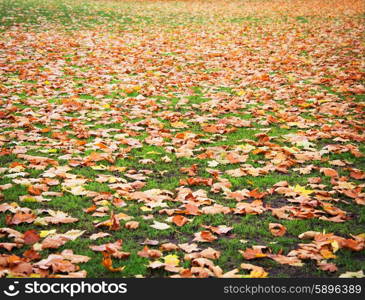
x=108, y=263
x=277, y=229
x=159, y=226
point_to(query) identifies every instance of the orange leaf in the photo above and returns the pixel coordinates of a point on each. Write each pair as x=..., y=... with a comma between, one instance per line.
x=256, y=194
x=31, y=237
x=179, y=220
x=252, y=253
x=204, y=236
x=108, y=263
x=357, y=174
x=34, y=191
x=277, y=229
x=329, y=172
x=115, y=225
x=19, y=218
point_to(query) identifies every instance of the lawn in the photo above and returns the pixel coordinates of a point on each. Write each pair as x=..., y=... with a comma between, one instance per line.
x=182, y=138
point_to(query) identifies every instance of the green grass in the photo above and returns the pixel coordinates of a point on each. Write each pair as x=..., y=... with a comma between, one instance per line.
x=119, y=110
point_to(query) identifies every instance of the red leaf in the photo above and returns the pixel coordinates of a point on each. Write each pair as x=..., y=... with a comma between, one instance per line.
x=31, y=237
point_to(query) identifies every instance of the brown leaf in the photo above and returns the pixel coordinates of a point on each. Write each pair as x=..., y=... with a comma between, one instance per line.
x=115, y=225
x=204, y=236
x=149, y=253
x=9, y=246
x=252, y=253
x=256, y=271
x=22, y=269
x=54, y=242
x=286, y=260
x=19, y=218
x=31, y=254
x=99, y=235
x=188, y=248
x=221, y=229
x=31, y=236
x=329, y=172
x=74, y=258
x=179, y=220
x=168, y=247
x=256, y=194
x=34, y=191
x=357, y=174
x=131, y=225
x=277, y=229
x=191, y=209
x=210, y=253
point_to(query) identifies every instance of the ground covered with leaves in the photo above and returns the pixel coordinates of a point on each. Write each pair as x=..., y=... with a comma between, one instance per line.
x=182, y=138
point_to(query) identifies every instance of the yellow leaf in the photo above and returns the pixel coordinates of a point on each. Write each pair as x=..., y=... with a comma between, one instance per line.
x=178, y=125
x=301, y=190
x=99, y=167
x=258, y=274
x=327, y=254
x=112, y=179
x=361, y=236
x=44, y=233
x=153, y=152
x=358, y=274
x=171, y=260
x=104, y=203
x=145, y=208
x=260, y=255
x=37, y=247
x=335, y=246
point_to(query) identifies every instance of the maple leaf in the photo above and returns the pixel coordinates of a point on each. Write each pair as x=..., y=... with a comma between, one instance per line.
x=256, y=271
x=108, y=263
x=31, y=237
x=221, y=229
x=256, y=194
x=168, y=247
x=301, y=190
x=209, y=253
x=98, y=235
x=204, y=236
x=286, y=260
x=31, y=255
x=357, y=174
x=131, y=225
x=9, y=246
x=179, y=220
x=74, y=258
x=188, y=248
x=149, y=253
x=19, y=218
x=329, y=172
x=57, y=240
x=27, y=198
x=252, y=253
x=159, y=226
x=277, y=229
x=113, y=223
x=348, y=274
x=171, y=260
x=178, y=107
